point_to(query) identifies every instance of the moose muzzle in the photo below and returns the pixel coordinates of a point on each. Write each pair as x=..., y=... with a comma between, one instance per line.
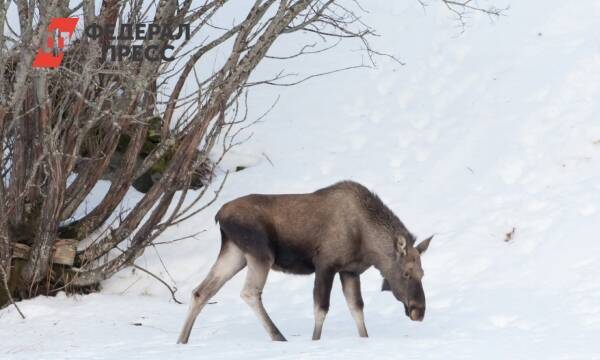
x=416, y=312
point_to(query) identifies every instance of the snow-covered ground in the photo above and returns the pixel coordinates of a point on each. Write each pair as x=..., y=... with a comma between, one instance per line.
x=478, y=134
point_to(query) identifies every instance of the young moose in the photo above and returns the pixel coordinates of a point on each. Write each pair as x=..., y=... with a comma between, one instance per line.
x=343, y=228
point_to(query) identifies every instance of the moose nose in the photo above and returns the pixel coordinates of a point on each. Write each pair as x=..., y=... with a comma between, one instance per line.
x=417, y=313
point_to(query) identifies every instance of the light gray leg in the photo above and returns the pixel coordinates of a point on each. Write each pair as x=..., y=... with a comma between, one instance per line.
x=256, y=277
x=321, y=295
x=230, y=261
x=351, y=288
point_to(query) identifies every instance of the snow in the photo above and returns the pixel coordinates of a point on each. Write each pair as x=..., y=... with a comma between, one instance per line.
x=479, y=133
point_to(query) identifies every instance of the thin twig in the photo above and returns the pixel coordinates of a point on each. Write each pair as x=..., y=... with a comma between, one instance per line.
x=171, y=290
x=268, y=159
x=6, y=288
x=179, y=239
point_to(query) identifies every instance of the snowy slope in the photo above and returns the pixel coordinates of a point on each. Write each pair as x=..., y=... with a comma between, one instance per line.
x=479, y=133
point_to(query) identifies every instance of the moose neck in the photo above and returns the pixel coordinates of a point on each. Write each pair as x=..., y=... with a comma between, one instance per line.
x=381, y=250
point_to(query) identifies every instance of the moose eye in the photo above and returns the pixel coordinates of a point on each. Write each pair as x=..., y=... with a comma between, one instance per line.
x=405, y=275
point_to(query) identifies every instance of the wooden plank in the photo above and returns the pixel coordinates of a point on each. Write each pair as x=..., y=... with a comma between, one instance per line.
x=64, y=251
x=20, y=251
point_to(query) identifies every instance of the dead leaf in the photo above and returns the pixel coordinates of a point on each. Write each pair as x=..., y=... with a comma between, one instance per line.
x=510, y=235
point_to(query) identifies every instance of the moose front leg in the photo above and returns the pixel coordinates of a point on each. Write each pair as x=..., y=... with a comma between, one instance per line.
x=351, y=289
x=321, y=294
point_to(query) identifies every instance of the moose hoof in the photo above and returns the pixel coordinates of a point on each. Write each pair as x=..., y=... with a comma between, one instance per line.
x=278, y=337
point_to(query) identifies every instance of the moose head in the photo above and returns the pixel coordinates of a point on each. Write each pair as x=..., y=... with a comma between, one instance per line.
x=405, y=278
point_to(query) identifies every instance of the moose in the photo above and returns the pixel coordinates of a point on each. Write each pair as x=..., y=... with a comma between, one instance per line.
x=343, y=228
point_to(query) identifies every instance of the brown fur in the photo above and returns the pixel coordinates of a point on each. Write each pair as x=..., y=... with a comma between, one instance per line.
x=343, y=228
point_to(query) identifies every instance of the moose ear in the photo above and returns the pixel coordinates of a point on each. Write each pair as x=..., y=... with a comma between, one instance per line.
x=385, y=286
x=400, y=246
x=423, y=245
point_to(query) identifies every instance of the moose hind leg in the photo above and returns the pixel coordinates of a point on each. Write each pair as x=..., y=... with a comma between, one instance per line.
x=256, y=278
x=321, y=295
x=351, y=289
x=230, y=261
